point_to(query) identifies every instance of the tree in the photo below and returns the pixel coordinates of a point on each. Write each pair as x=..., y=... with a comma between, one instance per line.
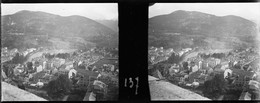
x=112, y=90
x=8, y=68
x=29, y=65
x=59, y=87
x=185, y=65
x=174, y=58
x=81, y=66
x=215, y=86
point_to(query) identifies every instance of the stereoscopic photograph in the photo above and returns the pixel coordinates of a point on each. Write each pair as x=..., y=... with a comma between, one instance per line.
x=59, y=52
x=204, y=51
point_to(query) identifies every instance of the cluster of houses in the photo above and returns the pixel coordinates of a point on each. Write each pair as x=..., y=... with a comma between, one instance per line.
x=7, y=55
x=156, y=55
x=38, y=71
x=236, y=69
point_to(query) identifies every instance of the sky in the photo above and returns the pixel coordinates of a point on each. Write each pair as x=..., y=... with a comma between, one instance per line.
x=95, y=11
x=250, y=11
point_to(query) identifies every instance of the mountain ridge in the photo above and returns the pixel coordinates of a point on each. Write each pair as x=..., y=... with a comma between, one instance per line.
x=35, y=23
x=198, y=29
x=112, y=24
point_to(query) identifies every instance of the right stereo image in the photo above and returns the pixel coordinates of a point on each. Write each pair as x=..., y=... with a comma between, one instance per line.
x=204, y=51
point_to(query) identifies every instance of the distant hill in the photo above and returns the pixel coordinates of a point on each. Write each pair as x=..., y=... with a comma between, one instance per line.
x=181, y=29
x=35, y=28
x=112, y=24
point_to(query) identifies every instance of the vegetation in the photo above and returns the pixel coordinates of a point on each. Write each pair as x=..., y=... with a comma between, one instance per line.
x=113, y=87
x=40, y=29
x=215, y=87
x=19, y=59
x=59, y=87
x=181, y=30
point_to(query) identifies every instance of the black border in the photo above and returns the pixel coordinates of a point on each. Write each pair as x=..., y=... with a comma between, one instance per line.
x=133, y=33
x=133, y=41
x=133, y=25
x=152, y=2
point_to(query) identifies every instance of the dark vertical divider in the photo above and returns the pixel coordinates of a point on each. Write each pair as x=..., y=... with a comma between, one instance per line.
x=133, y=46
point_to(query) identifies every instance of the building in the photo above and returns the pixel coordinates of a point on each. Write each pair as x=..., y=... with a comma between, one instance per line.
x=196, y=76
x=85, y=77
x=71, y=73
x=227, y=73
x=242, y=78
x=39, y=68
x=3, y=74
x=90, y=96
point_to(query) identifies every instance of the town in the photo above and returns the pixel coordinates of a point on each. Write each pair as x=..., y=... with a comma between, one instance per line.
x=231, y=74
x=89, y=74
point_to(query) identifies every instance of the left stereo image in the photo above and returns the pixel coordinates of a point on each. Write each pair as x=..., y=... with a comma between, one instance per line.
x=59, y=52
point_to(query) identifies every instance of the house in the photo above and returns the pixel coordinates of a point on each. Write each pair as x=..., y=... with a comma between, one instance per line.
x=254, y=89
x=18, y=69
x=211, y=62
x=242, y=77
x=25, y=53
x=90, y=96
x=173, y=70
x=71, y=72
x=227, y=73
x=68, y=67
x=14, y=51
x=245, y=96
x=99, y=85
x=3, y=74
x=217, y=61
x=254, y=85
x=63, y=71
x=44, y=65
x=224, y=66
x=195, y=75
x=39, y=68
x=87, y=73
x=80, y=62
x=85, y=78
x=200, y=64
x=39, y=83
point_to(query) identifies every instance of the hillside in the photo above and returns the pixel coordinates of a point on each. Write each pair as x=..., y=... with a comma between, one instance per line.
x=182, y=29
x=34, y=29
x=112, y=24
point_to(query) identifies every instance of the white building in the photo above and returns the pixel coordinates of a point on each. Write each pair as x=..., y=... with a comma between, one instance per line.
x=80, y=62
x=217, y=61
x=44, y=64
x=39, y=68
x=100, y=84
x=195, y=68
x=224, y=67
x=200, y=64
x=227, y=72
x=72, y=71
x=25, y=53
x=112, y=68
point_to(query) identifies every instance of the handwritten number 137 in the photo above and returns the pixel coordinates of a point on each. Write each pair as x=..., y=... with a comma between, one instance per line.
x=131, y=84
